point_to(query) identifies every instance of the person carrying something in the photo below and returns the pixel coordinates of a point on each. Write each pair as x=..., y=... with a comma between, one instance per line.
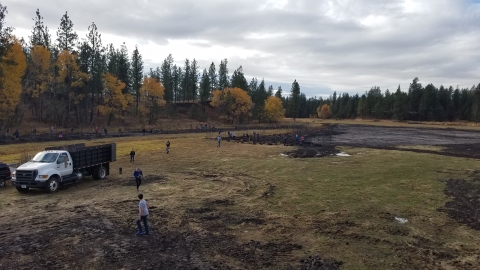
x=138, y=175
x=168, y=146
x=132, y=156
x=142, y=216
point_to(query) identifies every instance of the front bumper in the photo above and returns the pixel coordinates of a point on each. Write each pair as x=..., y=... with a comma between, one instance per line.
x=29, y=184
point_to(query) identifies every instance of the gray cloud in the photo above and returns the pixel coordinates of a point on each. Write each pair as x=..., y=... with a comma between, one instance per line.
x=342, y=45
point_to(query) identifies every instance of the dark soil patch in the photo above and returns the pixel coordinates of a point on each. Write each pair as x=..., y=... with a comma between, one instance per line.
x=313, y=151
x=465, y=206
x=316, y=262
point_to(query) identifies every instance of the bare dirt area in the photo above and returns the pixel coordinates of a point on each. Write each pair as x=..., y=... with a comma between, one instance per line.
x=81, y=228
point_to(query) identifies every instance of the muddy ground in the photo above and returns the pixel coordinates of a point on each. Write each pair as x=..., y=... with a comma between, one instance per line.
x=81, y=228
x=78, y=228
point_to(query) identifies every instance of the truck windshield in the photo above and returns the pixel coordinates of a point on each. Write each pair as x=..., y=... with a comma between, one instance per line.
x=45, y=157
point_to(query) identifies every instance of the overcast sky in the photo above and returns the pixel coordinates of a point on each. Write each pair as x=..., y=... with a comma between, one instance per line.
x=326, y=45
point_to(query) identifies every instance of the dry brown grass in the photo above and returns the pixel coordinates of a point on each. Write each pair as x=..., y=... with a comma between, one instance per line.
x=333, y=206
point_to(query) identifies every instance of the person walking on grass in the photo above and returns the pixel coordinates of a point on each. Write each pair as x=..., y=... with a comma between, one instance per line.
x=142, y=216
x=138, y=175
x=219, y=139
x=132, y=156
x=168, y=146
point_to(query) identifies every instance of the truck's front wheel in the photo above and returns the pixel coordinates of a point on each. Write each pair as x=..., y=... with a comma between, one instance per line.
x=53, y=184
x=2, y=183
x=100, y=173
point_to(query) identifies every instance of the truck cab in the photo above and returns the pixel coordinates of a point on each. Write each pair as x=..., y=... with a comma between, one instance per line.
x=47, y=169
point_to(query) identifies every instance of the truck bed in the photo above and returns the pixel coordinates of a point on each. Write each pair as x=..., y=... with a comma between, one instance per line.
x=84, y=157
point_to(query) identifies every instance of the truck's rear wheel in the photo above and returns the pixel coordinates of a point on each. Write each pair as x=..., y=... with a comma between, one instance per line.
x=52, y=184
x=22, y=189
x=100, y=173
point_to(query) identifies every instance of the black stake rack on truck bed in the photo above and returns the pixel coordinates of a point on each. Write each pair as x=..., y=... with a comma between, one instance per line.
x=83, y=156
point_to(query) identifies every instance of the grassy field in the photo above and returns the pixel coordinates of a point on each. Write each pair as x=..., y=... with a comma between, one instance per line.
x=342, y=208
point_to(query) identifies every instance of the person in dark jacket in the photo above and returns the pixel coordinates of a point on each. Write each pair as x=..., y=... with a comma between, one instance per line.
x=132, y=156
x=138, y=174
x=16, y=134
x=168, y=146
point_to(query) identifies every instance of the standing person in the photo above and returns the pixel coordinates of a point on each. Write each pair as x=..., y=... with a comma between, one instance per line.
x=143, y=130
x=219, y=139
x=285, y=140
x=16, y=134
x=168, y=146
x=51, y=130
x=302, y=139
x=138, y=174
x=296, y=138
x=60, y=135
x=132, y=156
x=96, y=131
x=105, y=131
x=142, y=216
x=34, y=131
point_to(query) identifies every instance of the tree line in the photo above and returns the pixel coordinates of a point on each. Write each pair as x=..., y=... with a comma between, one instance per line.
x=418, y=103
x=73, y=81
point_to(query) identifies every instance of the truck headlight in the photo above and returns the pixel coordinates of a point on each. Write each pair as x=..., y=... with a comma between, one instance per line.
x=13, y=175
x=44, y=176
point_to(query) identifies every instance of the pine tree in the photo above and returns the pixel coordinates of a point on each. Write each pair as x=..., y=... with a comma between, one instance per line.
x=94, y=53
x=40, y=35
x=212, y=74
x=194, y=79
x=137, y=75
x=66, y=36
x=205, y=87
x=166, y=78
x=124, y=69
x=223, y=80
x=186, y=79
x=294, y=100
x=278, y=94
x=238, y=79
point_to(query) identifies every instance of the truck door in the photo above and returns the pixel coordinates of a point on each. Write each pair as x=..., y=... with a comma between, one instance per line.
x=64, y=164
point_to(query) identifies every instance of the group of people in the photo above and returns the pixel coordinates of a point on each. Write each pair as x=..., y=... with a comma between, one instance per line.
x=143, y=205
x=16, y=134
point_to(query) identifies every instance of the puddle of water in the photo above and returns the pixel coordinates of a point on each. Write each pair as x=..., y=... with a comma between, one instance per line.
x=342, y=154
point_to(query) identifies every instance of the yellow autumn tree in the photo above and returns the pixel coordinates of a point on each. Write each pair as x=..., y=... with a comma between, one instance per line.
x=12, y=67
x=234, y=102
x=39, y=76
x=152, y=95
x=114, y=101
x=274, y=109
x=324, y=112
x=72, y=79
